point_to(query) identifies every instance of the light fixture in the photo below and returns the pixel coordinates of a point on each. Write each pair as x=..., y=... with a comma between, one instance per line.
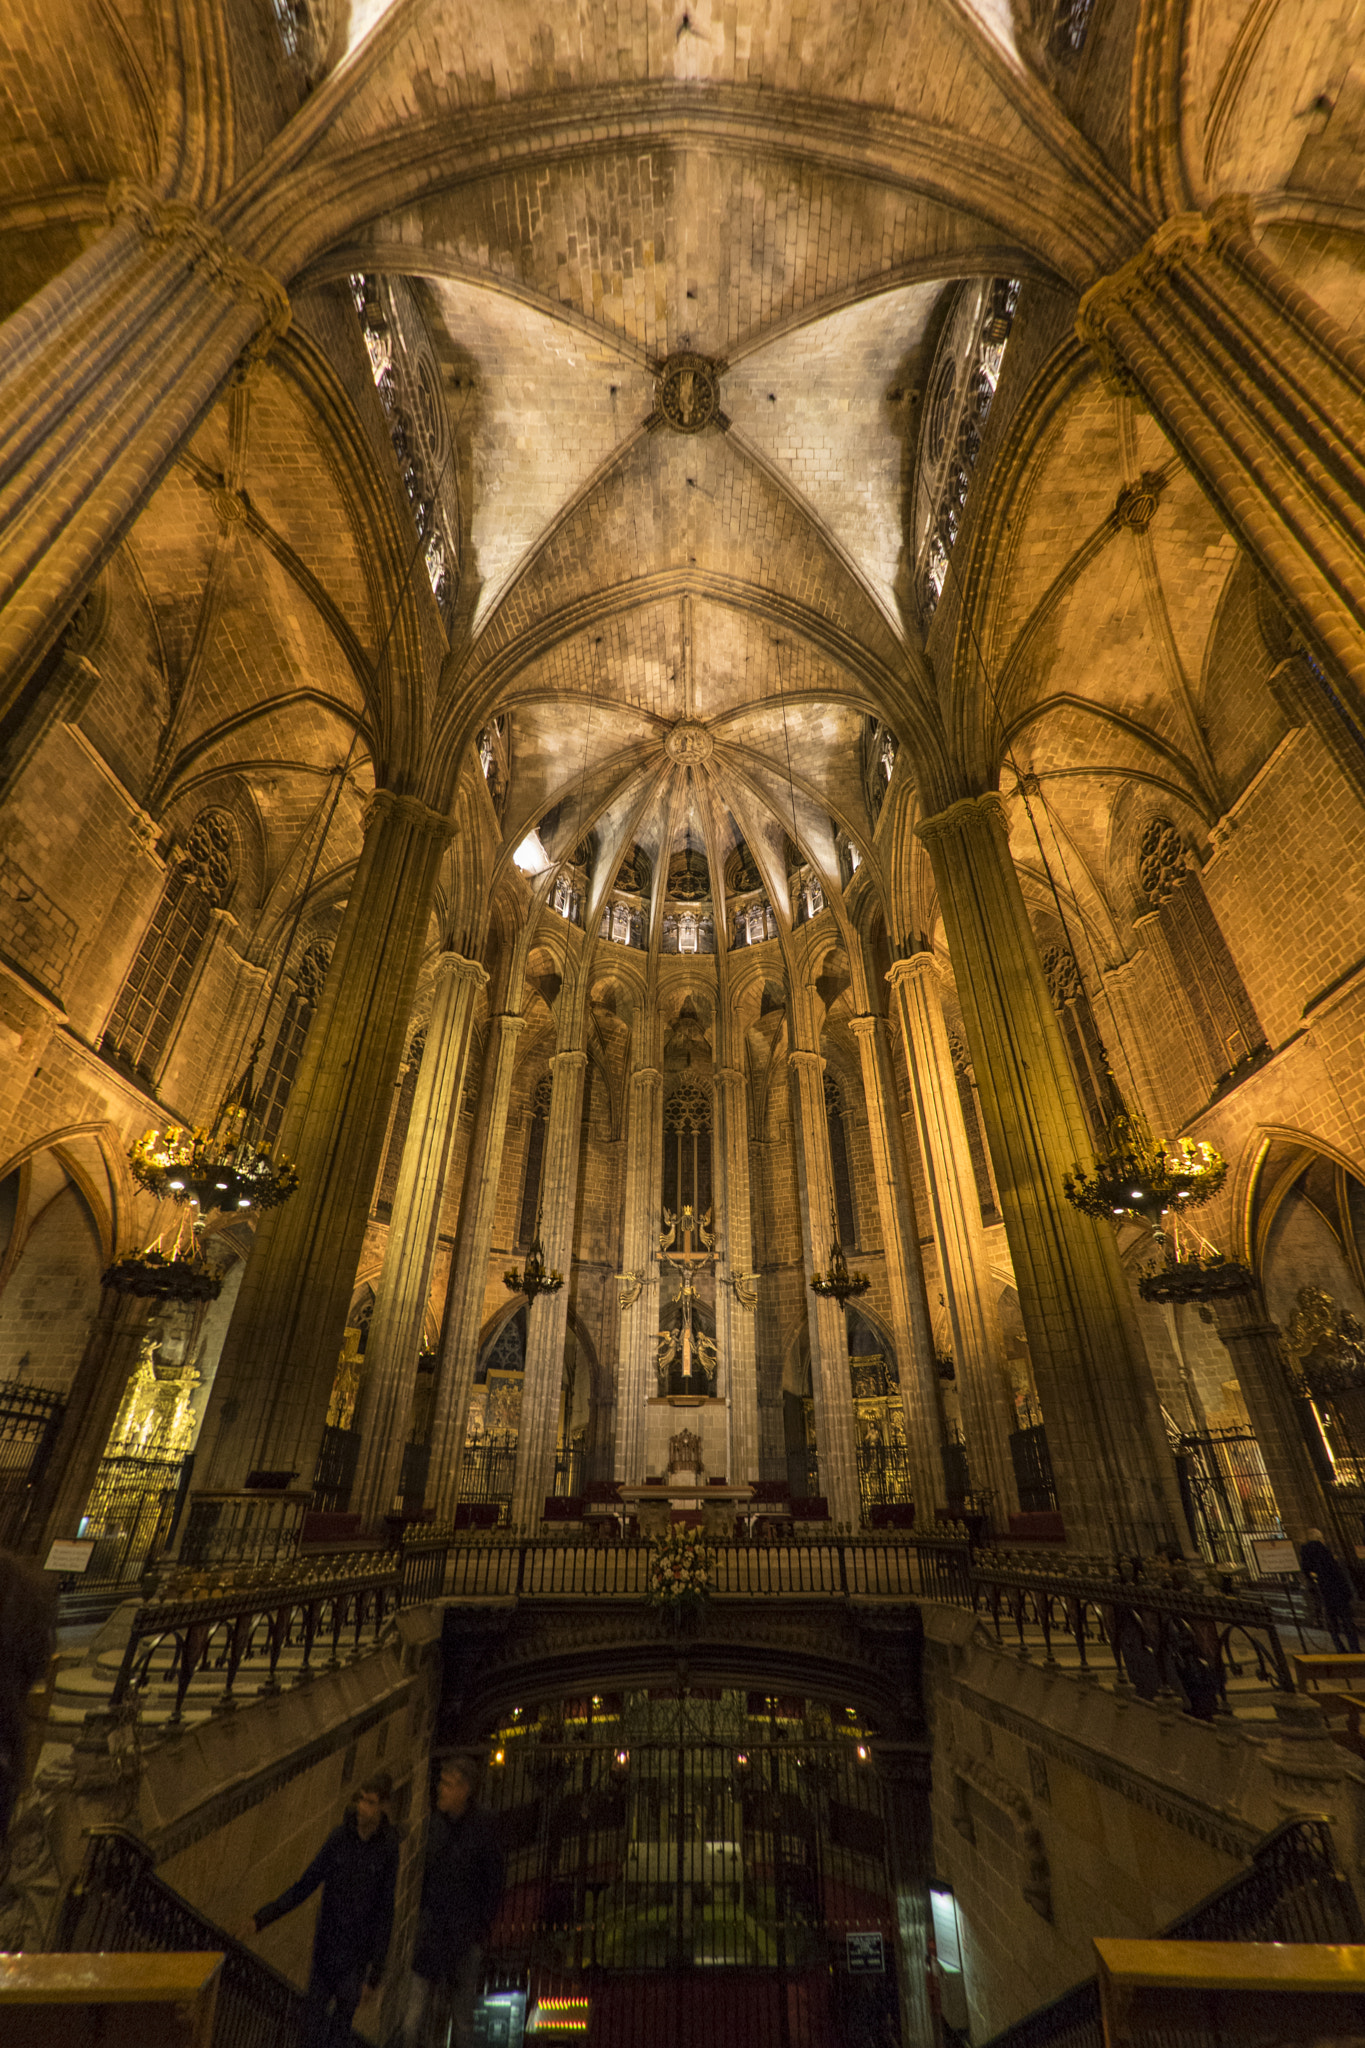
x=533, y=1278
x=226, y=1167
x=1138, y=1175
x=838, y=1283
x=531, y=856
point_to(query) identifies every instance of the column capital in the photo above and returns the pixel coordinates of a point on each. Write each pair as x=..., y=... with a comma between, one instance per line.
x=384, y=804
x=162, y=222
x=804, y=1060
x=512, y=1022
x=452, y=966
x=572, y=1056
x=914, y=967
x=866, y=1027
x=963, y=813
x=732, y=1076
x=650, y=1074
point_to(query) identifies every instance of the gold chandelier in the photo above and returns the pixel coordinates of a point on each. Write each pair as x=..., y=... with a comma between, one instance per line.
x=1139, y=1175
x=533, y=1279
x=838, y=1284
x=225, y=1167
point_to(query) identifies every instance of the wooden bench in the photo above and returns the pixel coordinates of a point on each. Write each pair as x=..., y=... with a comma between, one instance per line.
x=1339, y=1669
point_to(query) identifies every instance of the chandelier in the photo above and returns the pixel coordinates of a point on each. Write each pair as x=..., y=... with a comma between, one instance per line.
x=533, y=1279
x=226, y=1167
x=1139, y=1175
x=839, y=1284
x=1192, y=1269
x=182, y=1274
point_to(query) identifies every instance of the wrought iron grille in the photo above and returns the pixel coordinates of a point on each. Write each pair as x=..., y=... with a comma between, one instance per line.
x=1033, y=1469
x=1227, y=1493
x=689, y=1867
x=1294, y=1891
x=29, y=1420
x=118, y=1903
x=335, y=1475
x=488, y=1472
x=884, y=1474
x=130, y=1515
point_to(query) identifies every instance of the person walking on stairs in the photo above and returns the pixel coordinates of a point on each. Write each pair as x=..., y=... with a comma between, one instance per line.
x=461, y=1892
x=357, y=1867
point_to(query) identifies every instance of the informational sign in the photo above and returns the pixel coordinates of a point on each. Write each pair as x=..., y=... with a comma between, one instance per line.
x=68, y=1557
x=866, y=1956
x=1275, y=1556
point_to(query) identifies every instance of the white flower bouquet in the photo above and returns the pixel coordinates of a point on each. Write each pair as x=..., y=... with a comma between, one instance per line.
x=679, y=1570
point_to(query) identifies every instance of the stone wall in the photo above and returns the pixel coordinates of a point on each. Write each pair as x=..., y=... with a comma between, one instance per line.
x=1062, y=1811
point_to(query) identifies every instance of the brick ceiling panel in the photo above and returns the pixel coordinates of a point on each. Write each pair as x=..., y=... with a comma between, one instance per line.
x=458, y=55
x=678, y=503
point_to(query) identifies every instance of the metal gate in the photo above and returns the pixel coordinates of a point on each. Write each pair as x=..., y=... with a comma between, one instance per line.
x=691, y=1870
x=29, y=1420
x=1226, y=1492
x=130, y=1515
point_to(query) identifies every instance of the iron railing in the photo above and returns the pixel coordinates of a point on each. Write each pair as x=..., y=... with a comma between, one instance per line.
x=29, y=1420
x=337, y=1608
x=119, y=1904
x=1226, y=1491
x=1295, y=1890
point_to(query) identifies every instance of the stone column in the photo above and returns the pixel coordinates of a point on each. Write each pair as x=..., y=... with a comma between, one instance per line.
x=1115, y=1477
x=1256, y=1349
x=830, y=1381
x=736, y=1290
x=469, y=1270
x=548, y=1317
x=1263, y=393
x=955, y=1219
x=104, y=375
x=910, y=1320
x=636, y=1378
x=395, y=1339
x=269, y=1399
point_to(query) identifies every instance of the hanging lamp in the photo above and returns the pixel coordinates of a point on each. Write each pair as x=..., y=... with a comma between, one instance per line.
x=838, y=1284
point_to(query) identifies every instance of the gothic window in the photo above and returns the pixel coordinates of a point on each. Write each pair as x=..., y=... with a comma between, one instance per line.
x=687, y=1148
x=963, y=387
x=1071, y=25
x=838, y=1160
x=689, y=932
x=535, y=1159
x=158, y=982
x=408, y=384
x=810, y=896
x=1197, y=951
x=565, y=900
x=755, y=923
x=289, y=1039
x=1089, y=1061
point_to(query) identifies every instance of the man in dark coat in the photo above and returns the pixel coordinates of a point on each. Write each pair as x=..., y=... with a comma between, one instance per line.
x=1332, y=1583
x=461, y=1892
x=357, y=1867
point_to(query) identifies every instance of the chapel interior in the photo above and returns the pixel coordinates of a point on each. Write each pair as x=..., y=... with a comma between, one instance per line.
x=682, y=863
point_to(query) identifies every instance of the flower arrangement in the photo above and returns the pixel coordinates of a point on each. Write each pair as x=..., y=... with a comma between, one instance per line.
x=679, y=1572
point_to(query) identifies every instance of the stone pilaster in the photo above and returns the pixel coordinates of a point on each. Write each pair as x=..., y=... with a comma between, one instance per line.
x=955, y=1219
x=1115, y=1478
x=1263, y=393
x=548, y=1317
x=636, y=1379
x=910, y=1321
x=395, y=1338
x=1256, y=1348
x=104, y=374
x=736, y=1303
x=830, y=1382
x=464, y=1315
x=269, y=1400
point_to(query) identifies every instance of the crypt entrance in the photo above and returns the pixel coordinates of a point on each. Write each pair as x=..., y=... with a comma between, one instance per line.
x=689, y=1863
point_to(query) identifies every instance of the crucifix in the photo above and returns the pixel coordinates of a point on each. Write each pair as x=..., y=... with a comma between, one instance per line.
x=687, y=1356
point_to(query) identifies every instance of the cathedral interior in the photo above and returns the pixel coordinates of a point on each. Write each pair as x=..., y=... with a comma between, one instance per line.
x=682, y=862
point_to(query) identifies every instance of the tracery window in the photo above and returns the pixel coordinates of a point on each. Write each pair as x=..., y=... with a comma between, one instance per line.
x=809, y=896
x=566, y=899
x=406, y=378
x=624, y=925
x=754, y=922
x=963, y=384
x=838, y=1161
x=1089, y=1061
x=159, y=979
x=283, y=1064
x=689, y=931
x=535, y=1160
x=1196, y=950
x=687, y=1148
